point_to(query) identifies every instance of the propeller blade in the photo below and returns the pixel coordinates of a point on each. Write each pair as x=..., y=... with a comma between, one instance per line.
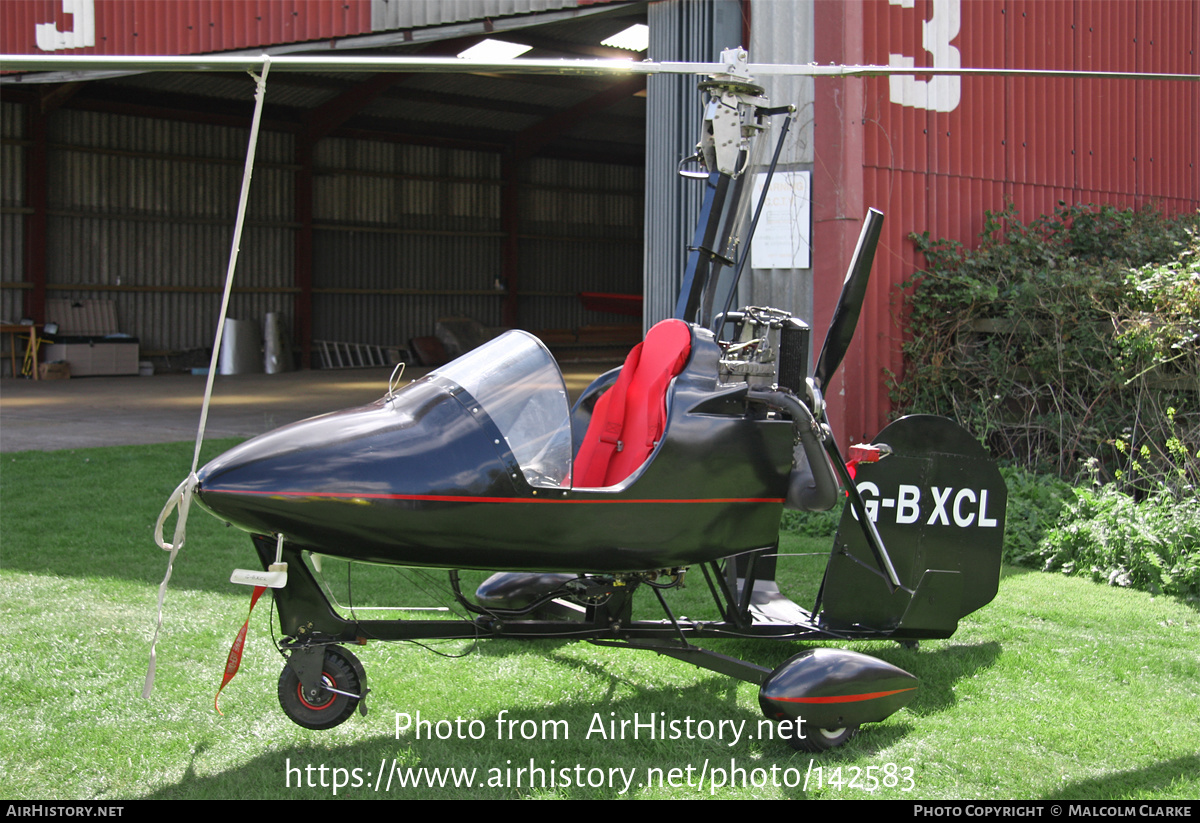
x=854, y=289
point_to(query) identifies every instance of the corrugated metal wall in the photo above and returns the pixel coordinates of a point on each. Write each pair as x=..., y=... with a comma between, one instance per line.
x=140, y=211
x=404, y=14
x=12, y=220
x=204, y=26
x=783, y=33
x=406, y=235
x=175, y=26
x=403, y=234
x=580, y=230
x=682, y=30
x=936, y=153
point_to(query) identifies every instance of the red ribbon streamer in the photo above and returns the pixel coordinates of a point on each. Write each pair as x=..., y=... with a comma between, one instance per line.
x=234, y=661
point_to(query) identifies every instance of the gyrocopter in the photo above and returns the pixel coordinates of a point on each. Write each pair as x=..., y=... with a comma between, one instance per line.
x=683, y=458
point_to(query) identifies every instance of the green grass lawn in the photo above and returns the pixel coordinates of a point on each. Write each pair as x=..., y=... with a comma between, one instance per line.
x=1059, y=689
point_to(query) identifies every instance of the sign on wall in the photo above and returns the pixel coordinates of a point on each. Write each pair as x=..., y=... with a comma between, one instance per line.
x=783, y=239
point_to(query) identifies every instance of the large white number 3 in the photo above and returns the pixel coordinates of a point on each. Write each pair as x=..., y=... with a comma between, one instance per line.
x=83, y=33
x=941, y=93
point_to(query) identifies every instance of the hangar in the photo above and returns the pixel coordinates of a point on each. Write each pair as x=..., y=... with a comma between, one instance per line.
x=379, y=203
x=384, y=202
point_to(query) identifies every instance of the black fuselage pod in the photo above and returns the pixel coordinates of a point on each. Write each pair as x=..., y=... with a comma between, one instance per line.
x=435, y=476
x=834, y=689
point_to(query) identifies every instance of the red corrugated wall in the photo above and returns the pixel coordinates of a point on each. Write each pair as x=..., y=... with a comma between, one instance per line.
x=1034, y=141
x=175, y=26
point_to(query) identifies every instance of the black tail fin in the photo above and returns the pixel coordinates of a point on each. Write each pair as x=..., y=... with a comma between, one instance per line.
x=938, y=501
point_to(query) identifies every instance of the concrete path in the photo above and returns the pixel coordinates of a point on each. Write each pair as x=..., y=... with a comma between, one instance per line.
x=119, y=411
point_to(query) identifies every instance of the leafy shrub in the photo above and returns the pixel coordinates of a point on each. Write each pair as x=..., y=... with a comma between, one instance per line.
x=1152, y=545
x=1064, y=340
x=1071, y=345
x=811, y=524
x=1035, y=502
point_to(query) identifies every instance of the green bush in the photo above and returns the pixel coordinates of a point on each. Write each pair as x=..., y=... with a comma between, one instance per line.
x=1063, y=341
x=1035, y=502
x=811, y=524
x=1071, y=346
x=1152, y=545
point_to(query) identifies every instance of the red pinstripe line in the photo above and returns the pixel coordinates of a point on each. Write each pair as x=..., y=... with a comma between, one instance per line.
x=849, y=698
x=447, y=498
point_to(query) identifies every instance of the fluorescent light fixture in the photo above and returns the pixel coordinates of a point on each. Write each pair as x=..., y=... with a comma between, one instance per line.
x=494, y=51
x=634, y=38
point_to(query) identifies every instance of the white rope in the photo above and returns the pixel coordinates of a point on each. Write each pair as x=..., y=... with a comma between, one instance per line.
x=181, y=498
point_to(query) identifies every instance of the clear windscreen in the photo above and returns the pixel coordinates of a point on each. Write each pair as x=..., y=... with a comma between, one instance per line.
x=515, y=380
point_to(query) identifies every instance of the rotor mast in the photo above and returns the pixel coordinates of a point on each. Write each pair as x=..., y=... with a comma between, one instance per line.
x=732, y=120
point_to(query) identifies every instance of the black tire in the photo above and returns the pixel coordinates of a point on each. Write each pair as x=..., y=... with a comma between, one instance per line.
x=342, y=671
x=821, y=740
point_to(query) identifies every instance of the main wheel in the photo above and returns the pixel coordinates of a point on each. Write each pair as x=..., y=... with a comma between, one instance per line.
x=324, y=708
x=820, y=740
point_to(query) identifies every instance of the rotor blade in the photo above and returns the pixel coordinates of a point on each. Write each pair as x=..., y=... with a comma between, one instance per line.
x=854, y=290
x=377, y=64
x=340, y=62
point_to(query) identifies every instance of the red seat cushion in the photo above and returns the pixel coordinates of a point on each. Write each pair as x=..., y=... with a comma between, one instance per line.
x=629, y=418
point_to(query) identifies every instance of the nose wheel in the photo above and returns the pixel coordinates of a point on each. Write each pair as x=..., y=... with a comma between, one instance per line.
x=321, y=691
x=820, y=740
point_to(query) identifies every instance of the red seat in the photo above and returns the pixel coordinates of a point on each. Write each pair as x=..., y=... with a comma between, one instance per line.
x=628, y=420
